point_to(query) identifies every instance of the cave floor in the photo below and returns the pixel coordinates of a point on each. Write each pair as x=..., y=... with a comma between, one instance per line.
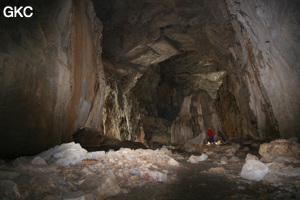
x=118, y=175
x=212, y=179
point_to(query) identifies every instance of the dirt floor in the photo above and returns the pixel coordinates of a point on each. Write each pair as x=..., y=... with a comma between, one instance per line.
x=209, y=180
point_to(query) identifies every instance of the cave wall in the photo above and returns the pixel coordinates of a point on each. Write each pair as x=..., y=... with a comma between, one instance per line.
x=259, y=96
x=51, y=78
x=196, y=116
x=157, y=53
x=249, y=48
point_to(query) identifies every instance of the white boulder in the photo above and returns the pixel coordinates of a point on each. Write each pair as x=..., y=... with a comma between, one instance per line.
x=254, y=170
x=96, y=155
x=65, y=154
x=154, y=176
x=173, y=162
x=196, y=159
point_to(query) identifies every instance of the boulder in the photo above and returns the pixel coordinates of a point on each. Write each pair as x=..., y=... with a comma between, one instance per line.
x=224, y=160
x=88, y=137
x=279, y=148
x=193, y=144
x=254, y=170
x=173, y=162
x=234, y=159
x=8, y=174
x=9, y=190
x=217, y=170
x=251, y=157
x=65, y=154
x=196, y=159
x=78, y=195
x=96, y=155
x=38, y=161
x=2, y=162
x=110, y=186
x=282, y=170
x=154, y=176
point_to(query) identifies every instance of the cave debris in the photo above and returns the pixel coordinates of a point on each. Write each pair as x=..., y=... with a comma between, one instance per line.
x=58, y=174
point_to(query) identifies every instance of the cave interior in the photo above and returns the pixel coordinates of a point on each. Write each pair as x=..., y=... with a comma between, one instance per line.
x=154, y=76
x=155, y=72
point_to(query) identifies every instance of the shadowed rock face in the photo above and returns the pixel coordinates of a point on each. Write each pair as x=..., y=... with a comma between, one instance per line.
x=50, y=80
x=242, y=57
x=164, y=51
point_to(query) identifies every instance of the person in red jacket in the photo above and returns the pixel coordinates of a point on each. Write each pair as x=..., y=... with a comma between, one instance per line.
x=210, y=134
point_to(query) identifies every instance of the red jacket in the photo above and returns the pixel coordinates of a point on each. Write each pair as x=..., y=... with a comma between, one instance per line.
x=210, y=133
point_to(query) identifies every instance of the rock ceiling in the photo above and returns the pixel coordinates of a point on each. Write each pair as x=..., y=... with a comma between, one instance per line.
x=138, y=34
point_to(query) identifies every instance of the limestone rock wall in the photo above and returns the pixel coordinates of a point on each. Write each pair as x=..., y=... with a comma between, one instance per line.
x=196, y=115
x=51, y=78
x=239, y=45
x=260, y=96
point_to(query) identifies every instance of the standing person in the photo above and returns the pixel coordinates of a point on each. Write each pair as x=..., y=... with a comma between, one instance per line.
x=210, y=134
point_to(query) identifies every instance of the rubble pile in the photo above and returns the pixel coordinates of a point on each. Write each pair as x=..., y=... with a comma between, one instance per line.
x=282, y=158
x=68, y=171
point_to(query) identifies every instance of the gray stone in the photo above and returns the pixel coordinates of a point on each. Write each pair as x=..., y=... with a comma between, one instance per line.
x=2, y=162
x=279, y=148
x=154, y=176
x=38, y=161
x=251, y=157
x=224, y=160
x=254, y=170
x=197, y=159
x=9, y=175
x=195, y=143
x=9, y=189
x=51, y=197
x=173, y=162
x=234, y=159
x=110, y=186
x=78, y=195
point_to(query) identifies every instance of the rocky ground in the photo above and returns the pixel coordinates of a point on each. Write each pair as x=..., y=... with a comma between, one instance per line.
x=212, y=172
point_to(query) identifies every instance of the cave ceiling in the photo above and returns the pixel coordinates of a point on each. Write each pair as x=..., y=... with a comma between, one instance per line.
x=191, y=34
